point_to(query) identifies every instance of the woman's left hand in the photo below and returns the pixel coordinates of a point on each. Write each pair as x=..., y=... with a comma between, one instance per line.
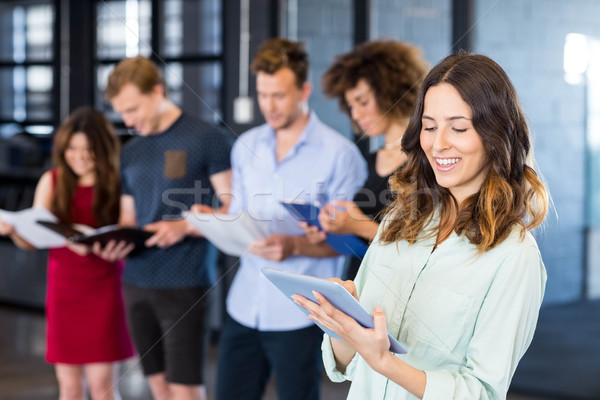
x=341, y=217
x=372, y=344
x=312, y=233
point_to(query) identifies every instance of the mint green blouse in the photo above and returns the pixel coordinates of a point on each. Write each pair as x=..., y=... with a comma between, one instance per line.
x=466, y=319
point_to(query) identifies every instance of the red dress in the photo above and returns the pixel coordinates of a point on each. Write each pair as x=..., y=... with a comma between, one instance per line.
x=84, y=302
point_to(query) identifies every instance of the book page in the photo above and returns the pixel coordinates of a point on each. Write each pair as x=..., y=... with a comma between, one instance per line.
x=25, y=223
x=232, y=234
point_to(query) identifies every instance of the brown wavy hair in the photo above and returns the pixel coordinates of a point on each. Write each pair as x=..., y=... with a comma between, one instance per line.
x=139, y=71
x=274, y=54
x=105, y=147
x=512, y=193
x=393, y=69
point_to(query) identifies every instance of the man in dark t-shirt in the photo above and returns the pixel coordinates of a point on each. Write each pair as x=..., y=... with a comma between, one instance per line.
x=176, y=161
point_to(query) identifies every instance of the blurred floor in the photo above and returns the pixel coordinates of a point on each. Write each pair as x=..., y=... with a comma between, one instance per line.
x=25, y=376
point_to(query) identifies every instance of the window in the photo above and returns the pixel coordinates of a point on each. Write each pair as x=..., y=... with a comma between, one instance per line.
x=184, y=37
x=27, y=67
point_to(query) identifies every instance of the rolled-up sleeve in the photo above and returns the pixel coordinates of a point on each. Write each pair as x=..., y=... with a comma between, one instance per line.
x=330, y=365
x=439, y=384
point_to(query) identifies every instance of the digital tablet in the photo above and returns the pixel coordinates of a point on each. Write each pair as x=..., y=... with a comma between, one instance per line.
x=290, y=283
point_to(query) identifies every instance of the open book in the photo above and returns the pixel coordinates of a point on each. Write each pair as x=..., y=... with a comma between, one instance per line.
x=84, y=234
x=230, y=233
x=344, y=244
x=290, y=283
x=25, y=225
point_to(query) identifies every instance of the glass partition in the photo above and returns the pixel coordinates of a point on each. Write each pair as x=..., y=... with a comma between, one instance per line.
x=26, y=67
x=188, y=47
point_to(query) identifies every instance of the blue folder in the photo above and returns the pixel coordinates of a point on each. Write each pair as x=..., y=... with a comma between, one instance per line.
x=344, y=244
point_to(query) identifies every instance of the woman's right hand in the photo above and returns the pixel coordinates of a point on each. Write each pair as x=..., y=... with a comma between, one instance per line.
x=6, y=229
x=342, y=217
x=313, y=234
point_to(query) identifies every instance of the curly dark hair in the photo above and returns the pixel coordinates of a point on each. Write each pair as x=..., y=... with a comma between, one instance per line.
x=393, y=69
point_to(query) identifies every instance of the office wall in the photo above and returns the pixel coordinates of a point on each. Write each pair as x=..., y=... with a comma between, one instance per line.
x=325, y=26
x=426, y=24
x=527, y=38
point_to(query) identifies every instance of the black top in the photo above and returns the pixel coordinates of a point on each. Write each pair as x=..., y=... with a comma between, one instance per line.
x=374, y=196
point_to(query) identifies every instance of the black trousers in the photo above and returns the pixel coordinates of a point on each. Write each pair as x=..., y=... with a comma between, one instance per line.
x=248, y=356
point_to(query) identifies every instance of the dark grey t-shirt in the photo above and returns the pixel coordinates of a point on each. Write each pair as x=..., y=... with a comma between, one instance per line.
x=167, y=173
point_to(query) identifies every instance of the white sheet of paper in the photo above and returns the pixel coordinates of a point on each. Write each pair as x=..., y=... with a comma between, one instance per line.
x=232, y=234
x=26, y=226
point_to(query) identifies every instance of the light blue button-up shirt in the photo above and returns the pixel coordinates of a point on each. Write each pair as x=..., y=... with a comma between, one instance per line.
x=466, y=320
x=322, y=166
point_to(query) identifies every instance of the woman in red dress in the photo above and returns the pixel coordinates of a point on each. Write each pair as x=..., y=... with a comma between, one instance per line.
x=86, y=328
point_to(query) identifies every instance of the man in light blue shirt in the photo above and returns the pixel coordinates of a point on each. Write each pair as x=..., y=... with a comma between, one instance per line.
x=293, y=157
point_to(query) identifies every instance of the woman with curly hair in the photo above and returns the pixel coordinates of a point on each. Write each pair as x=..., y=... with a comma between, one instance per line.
x=454, y=272
x=376, y=85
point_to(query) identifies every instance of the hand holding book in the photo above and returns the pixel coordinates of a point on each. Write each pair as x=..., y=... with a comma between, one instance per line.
x=232, y=234
x=86, y=235
x=23, y=222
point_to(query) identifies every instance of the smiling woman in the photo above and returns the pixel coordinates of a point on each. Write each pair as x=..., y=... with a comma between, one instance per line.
x=453, y=262
x=467, y=107
x=453, y=147
x=86, y=329
x=79, y=157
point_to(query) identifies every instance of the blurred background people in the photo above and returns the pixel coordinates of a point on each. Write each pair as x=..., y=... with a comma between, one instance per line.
x=86, y=331
x=176, y=161
x=293, y=156
x=376, y=85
